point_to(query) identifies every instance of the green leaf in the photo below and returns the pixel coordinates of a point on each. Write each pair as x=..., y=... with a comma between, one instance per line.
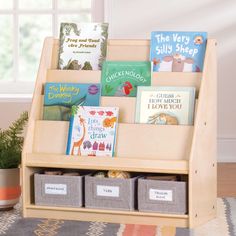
x=108, y=88
x=11, y=143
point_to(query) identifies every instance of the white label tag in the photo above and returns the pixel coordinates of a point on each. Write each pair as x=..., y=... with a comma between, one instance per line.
x=107, y=191
x=160, y=195
x=60, y=189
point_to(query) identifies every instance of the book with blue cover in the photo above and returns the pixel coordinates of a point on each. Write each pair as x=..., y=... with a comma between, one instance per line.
x=178, y=51
x=165, y=105
x=92, y=131
x=60, y=97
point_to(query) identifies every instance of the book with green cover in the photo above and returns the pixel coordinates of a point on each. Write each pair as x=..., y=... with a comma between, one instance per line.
x=121, y=78
x=83, y=46
x=165, y=105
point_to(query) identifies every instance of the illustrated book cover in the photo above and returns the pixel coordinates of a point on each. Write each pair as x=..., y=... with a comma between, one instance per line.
x=165, y=105
x=92, y=131
x=121, y=78
x=60, y=97
x=83, y=46
x=178, y=51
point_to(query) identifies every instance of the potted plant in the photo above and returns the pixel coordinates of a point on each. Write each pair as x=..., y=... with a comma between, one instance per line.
x=11, y=142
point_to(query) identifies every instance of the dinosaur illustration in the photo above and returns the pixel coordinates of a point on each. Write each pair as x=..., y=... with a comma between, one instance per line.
x=78, y=143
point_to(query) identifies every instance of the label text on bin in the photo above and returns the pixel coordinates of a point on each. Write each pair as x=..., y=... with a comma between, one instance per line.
x=107, y=191
x=160, y=195
x=60, y=189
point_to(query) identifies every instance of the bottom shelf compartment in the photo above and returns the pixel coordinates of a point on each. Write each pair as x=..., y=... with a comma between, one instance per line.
x=110, y=216
x=40, y=203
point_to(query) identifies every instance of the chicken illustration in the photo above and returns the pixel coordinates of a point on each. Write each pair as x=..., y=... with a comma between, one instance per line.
x=124, y=89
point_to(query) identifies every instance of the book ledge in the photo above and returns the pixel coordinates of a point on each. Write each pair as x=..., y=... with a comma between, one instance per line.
x=107, y=163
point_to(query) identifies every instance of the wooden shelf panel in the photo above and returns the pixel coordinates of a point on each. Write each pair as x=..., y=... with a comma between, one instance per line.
x=158, y=78
x=125, y=217
x=133, y=140
x=126, y=107
x=74, y=76
x=121, y=50
x=188, y=79
x=106, y=163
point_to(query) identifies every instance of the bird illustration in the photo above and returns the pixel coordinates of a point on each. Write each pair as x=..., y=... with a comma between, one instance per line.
x=92, y=113
x=124, y=89
x=100, y=113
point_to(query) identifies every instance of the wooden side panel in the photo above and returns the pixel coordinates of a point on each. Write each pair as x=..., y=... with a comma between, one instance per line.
x=55, y=54
x=35, y=113
x=51, y=137
x=202, y=177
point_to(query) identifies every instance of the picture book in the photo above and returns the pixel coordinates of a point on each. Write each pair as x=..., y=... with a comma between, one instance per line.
x=60, y=97
x=92, y=131
x=178, y=51
x=83, y=46
x=121, y=78
x=165, y=105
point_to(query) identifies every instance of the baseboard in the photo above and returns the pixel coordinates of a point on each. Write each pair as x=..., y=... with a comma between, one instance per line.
x=226, y=149
x=226, y=180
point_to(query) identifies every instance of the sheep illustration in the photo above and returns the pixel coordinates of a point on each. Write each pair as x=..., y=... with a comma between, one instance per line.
x=176, y=63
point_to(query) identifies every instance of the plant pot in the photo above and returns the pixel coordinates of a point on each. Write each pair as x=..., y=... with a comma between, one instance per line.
x=9, y=187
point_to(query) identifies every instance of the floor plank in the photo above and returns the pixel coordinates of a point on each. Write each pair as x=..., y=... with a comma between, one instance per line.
x=226, y=182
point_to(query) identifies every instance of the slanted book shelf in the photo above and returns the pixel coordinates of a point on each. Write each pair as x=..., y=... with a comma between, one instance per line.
x=189, y=150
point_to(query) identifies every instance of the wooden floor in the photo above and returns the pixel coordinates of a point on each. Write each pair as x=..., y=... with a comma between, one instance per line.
x=226, y=182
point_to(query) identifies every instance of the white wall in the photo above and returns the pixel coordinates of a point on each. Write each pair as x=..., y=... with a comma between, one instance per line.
x=137, y=18
x=11, y=110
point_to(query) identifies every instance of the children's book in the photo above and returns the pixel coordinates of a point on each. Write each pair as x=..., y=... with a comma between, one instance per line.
x=83, y=46
x=92, y=131
x=121, y=78
x=60, y=97
x=178, y=51
x=165, y=105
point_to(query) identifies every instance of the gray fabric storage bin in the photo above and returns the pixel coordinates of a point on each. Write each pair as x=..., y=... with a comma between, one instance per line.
x=162, y=196
x=58, y=190
x=109, y=193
